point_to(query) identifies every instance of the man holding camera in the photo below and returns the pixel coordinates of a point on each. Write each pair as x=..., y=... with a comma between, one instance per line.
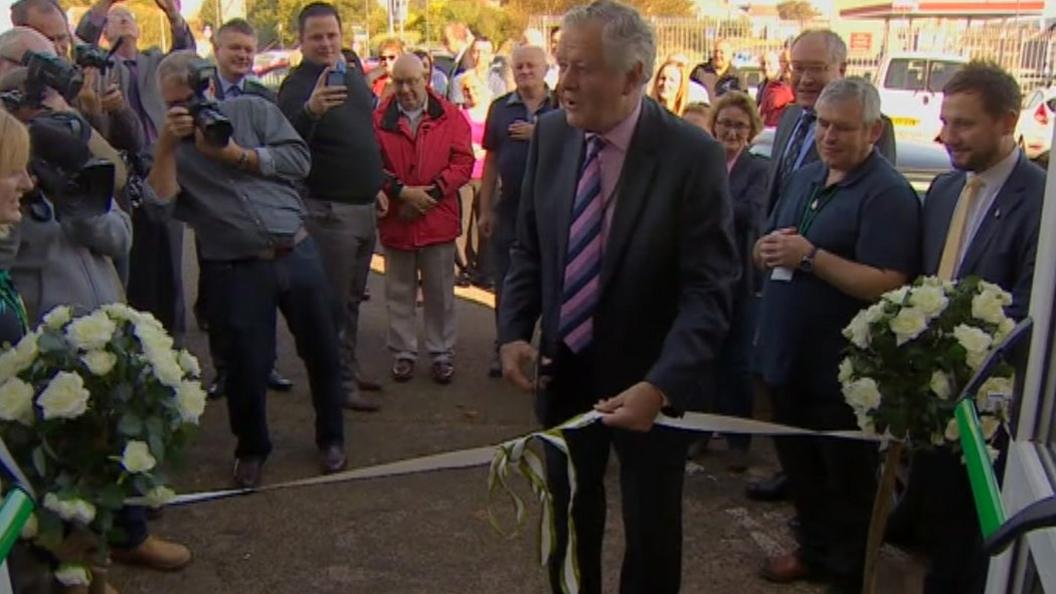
x=155, y=275
x=230, y=170
x=330, y=105
x=46, y=17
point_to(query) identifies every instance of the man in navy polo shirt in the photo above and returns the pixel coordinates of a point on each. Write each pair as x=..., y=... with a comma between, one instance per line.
x=845, y=231
x=509, y=127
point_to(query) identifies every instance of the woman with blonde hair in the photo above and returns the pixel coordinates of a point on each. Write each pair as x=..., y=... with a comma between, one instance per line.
x=14, y=182
x=671, y=86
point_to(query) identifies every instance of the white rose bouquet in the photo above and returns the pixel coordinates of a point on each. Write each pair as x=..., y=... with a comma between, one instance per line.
x=91, y=407
x=913, y=351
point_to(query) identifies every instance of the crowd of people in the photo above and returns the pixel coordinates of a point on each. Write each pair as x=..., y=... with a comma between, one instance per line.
x=610, y=199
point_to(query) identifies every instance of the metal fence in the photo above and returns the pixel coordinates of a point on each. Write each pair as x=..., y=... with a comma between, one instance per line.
x=1021, y=47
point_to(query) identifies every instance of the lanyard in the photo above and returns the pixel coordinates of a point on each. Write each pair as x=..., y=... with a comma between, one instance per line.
x=814, y=205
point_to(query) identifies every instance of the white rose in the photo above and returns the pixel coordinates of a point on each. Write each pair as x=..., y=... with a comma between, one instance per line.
x=953, y=432
x=989, y=425
x=99, y=362
x=1005, y=328
x=865, y=423
x=166, y=368
x=898, y=296
x=91, y=331
x=14, y=361
x=993, y=391
x=940, y=385
x=988, y=307
x=137, y=457
x=875, y=312
x=57, y=317
x=159, y=496
x=938, y=439
x=190, y=398
x=862, y=394
x=153, y=338
x=908, y=324
x=1003, y=295
x=846, y=371
x=65, y=397
x=31, y=528
x=975, y=342
x=189, y=363
x=16, y=401
x=931, y=281
x=71, y=575
x=71, y=510
x=929, y=299
x=120, y=311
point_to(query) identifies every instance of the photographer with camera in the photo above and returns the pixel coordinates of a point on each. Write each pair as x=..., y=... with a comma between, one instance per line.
x=230, y=170
x=155, y=280
x=46, y=17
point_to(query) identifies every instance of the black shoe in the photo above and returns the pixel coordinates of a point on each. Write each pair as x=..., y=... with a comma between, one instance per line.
x=218, y=387
x=360, y=402
x=277, y=382
x=774, y=488
x=495, y=369
x=332, y=459
x=247, y=472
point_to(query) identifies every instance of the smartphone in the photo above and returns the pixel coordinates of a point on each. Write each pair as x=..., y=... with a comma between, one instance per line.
x=335, y=79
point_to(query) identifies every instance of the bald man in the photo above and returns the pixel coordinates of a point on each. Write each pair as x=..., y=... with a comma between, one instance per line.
x=15, y=42
x=427, y=154
x=509, y=127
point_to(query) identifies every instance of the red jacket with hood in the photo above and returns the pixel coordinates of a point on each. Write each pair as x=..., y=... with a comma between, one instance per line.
x=439, y=155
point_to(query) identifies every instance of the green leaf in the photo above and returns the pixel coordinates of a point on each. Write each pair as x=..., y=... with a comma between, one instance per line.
x=130, y=425
x=50, y=529
x=112, y=497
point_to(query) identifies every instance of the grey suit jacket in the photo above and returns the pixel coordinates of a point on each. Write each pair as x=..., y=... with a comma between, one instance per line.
x=787, y=125
x=1003, y=249
x=669, y=261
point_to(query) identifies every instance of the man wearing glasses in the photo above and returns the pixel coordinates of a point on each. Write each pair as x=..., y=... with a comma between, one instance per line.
x=381, y=77
x=819, y=56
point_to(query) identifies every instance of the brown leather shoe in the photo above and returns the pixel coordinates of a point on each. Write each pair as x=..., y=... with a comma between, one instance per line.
x=786, y=568
x=361, y=402
x=247, y=472
x=333, y=459
x=155, y=553
x=368, y=385
x=403, y=370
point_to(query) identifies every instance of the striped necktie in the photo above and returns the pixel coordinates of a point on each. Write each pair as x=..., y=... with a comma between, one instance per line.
x=795, y=145
x=583, y=261
x=951, y=252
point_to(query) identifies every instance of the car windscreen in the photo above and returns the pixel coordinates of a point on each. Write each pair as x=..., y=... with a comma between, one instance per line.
x=940, y=73
x=906, y=74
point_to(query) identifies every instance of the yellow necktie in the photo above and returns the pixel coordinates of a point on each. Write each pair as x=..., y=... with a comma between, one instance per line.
x=958, y=225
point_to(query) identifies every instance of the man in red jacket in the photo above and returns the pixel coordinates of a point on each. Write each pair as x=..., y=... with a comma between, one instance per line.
x=427, y=156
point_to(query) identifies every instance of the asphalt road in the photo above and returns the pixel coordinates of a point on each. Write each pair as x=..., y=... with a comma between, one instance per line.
x=426, y=533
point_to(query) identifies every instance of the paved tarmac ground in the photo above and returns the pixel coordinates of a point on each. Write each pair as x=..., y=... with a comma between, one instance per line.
x=425, y=533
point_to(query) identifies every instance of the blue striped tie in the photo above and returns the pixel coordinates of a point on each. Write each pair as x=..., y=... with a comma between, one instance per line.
x=583, y=261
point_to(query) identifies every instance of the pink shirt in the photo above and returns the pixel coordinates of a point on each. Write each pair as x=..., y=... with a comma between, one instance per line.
x=611, y=158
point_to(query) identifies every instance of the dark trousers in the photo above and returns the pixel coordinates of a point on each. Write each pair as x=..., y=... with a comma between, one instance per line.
x=500, y=242
x=155, y=275
x=652, y=466
x=832, y=481
x=247, y=293
x=132, y=521
x=734, y=388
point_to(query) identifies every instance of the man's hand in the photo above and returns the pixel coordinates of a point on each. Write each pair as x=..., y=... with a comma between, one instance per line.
x=784, y=247
x=634, y=409
x=486, y=224
x=230, y=154
x=418, y=197
x=88, y=99
x=113, y=100
x=179, y=124
x=324, y=97
x=521, y=130
x=381, y=205
x=515, y=356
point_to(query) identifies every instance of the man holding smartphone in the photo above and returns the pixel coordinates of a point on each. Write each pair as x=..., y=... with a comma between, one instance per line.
x=328, y=102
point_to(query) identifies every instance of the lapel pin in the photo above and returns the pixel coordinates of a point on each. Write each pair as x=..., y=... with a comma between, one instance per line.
x=997, y=214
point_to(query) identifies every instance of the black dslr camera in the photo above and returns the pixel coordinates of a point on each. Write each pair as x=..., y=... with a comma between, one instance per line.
x=51, y=71
x=89, y=55
x=214, y=125
x=76, y=184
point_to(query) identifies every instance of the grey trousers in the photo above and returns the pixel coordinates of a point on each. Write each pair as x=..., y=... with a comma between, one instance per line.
x=402, y=269
x=345, y=234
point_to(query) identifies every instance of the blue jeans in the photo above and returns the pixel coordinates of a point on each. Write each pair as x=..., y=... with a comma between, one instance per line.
x=246, y=295
x=734, y=368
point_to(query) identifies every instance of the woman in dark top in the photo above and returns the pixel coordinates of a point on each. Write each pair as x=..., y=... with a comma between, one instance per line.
x=735, y=122
x=14, y=182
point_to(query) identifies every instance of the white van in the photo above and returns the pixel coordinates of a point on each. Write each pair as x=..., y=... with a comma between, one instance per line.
x=910, y=86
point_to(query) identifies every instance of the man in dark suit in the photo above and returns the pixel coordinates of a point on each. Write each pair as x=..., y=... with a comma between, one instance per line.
x=980, y=220
x=625, y=250
x=818, y=57
x=155, y=267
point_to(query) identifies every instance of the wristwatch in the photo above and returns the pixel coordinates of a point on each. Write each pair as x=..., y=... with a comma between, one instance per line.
x=806, y=263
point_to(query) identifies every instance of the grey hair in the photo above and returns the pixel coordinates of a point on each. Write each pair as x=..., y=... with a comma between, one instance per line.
x=833, y=42
x=858, y=89
x=178, y=65
x=627, y=39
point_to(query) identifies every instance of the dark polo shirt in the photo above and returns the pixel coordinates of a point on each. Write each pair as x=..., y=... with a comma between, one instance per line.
x=512, y=154
x=871, y=217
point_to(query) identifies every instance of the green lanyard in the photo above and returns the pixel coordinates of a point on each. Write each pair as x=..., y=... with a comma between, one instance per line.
x=814, y=205
x=9, y=297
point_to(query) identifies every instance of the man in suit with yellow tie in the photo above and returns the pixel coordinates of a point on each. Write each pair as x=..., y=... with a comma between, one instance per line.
x=980, y=220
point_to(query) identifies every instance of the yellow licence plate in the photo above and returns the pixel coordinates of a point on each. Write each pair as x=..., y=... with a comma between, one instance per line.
x=905, y=122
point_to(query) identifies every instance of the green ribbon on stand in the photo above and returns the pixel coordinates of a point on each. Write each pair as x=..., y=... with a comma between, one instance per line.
x=985, y=491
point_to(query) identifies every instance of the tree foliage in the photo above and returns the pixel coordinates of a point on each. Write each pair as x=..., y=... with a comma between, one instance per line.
x=796, y=10
x=153, y=26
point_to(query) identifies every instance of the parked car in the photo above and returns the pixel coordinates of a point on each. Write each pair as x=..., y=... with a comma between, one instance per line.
x=1034, y=130
x=919, y=161
x=910, y=86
